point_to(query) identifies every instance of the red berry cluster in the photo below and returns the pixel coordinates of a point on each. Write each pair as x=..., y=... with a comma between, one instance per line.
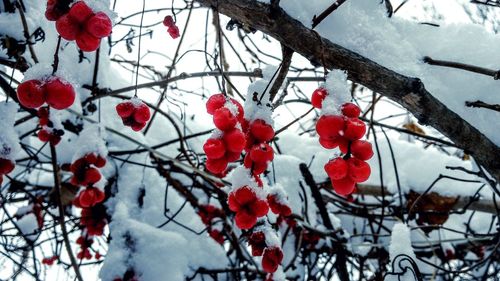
x=85, y=244
x=272, y=256
x=227, y=146
x=209, y=213
x=86, y=173
x=247, y=206
x=84, y=26
x=6, y=166
x=277, y=204
x=50, y=260
x=134, y=113
x=259, y=152
x=47, y=132
x=56, y=9
x=172, y=28
x=344, y=131
x=93, y=219
x=54, y=91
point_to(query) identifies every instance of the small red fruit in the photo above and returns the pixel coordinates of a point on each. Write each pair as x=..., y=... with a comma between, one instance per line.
x=318, y=96
x=343, y=186
x=67, y=27
x=31, y=93
x=214, y=148
x=247, y=206
x=351, y=110
x=215, y=102
x=6, y=166
x=87, y=42
x=262, y=153
x=99, y=25
x=359, y=171
x=216, y=166
x=174, y=32
x=168, y=21
x=362, y=149
x=261, y=131
x=224, y=119
x=234, y=140
x=330, y=126
x=354, y=129
x=142, y=113
x=60, y=94
x=80, y=12
x=336, y=168
x=271, y=259
x=125, y=109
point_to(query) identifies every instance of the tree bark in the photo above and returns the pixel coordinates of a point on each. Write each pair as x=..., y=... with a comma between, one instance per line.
x=406, y=91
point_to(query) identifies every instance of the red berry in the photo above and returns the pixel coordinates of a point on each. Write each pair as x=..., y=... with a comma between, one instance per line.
x=330, y=126
x=261, y=131
x=278, y=207
x=336, y=168
x=318, y=96
x=256, y=167
x=90, y=197
x=67, y=27
x=60, y=94
x=214, y=148
x=137, y=126
x=87, y=42
x=351, y=110
x=224, y=119
x=125, y=109
x=31, y=93
x=271, y=259
x=92, y=175
x=257, y=242
x=359, y=171
x=232, y=156
x=330, y=143
x=215, y=102
x=100, y=162
x=80, y=12
x=43, y=135
x=235, y=141
x=99, y=25
x=354, y=129
x=174, y=32
x=262, y=153
x=168, y=21
x=6, y=166
x=247, y=206
x=343, y=186
x=142, y=113
x=216, y=235
x=216, y=166
x=362, y=149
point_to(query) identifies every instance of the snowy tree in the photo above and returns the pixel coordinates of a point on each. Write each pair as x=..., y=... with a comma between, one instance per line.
x=249, y=140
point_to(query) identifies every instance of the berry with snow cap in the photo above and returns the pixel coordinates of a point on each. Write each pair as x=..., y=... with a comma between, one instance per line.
x=134, y=113
x=247, y=206
x=85, y=26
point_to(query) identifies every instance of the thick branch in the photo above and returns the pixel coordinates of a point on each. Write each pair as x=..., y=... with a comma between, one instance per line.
x=407, y=91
